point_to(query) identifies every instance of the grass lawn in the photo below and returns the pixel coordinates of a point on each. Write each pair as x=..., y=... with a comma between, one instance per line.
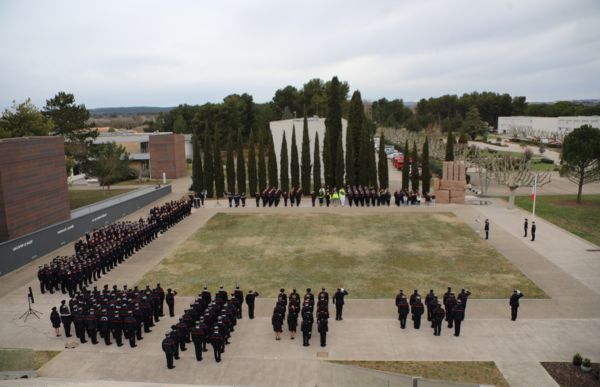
x=80, y=198
x=370, y=255
x=581, y=219
x=141, y=182
x=481, y=372
x=24, y=359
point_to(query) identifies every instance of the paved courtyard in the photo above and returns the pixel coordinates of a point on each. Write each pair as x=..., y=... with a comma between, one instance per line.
x=547, y=330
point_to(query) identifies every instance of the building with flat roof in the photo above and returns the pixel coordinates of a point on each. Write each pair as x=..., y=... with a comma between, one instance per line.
x=315, y=125
x=548, y=127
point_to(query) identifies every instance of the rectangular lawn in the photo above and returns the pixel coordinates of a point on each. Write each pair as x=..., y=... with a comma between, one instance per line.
x=372, y=256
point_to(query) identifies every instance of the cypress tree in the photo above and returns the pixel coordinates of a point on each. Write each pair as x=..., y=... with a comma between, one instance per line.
x=450, y=146
x=333, y=130
x=230, y=166
x=305, y=168
x=339, y=164
x=414, y=172
x=262, y=166
x=406, y=167
x=425, y=167
x=197, y=173
x=372, y=163
x=209, y=179
x=317, y=165
x=252, y=164
x=294, y=163
x=363, y=164
x=240, y=164
x=354, y=132
x=218, y=166
x=272, y=170
x=284, y=177
x=382, y=169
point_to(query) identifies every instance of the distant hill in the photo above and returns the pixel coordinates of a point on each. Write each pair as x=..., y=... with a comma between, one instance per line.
x=128, y=111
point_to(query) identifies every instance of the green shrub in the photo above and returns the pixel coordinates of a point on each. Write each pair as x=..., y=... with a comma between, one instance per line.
x=586, y=362
x=577, y=360
x=545, y=160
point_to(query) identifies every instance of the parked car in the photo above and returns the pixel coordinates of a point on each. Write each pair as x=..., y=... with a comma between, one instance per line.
x=392, y=155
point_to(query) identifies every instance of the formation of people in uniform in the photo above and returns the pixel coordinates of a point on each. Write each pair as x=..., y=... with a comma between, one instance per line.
x=273, y=197
x=112, y=314
x=452, y=309
x=104, y=248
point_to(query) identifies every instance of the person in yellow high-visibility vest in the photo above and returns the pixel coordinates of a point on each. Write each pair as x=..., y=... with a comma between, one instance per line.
x=342, y=193
x=335, y=197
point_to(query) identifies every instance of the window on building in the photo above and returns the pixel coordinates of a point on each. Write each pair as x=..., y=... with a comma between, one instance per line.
x=144, y=147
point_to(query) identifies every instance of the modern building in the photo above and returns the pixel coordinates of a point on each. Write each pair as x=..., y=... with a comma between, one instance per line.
x=544, y=126
x=151, y=154
x=315, y=125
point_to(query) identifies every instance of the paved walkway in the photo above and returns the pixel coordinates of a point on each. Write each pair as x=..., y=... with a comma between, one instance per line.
x=547, y=330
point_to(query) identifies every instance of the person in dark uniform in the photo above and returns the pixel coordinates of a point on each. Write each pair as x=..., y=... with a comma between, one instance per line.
x=313, y=197
x=306, y=328
x=486, y=228
x=243, y=199
x=130, y=324
x=533, y=228
x=277, y=322
x=168, y=347
x=218, y=343
x=428, y=300
x=91, y=326
x=514, y=302
x=116, y=326
x=198, y=334
x=403, y=308
x=238, y=295
x=338, y=301
x=458, y=313
x=322, y=327
x=292, y=319
x=463, y=297
x=79, y=325
x=417, y=310
x=170, y=298
x=55, y=320
x=525, y=226
x=182, y=333
x=438, y=318
x=65, y=318
x=105, y=327
x=250, y=297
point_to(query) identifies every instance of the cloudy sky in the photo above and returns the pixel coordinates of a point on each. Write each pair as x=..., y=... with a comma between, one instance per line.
x=162, y=53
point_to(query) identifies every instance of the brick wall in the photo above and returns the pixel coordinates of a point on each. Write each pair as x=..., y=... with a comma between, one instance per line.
x=167, y=154
x=33, y=185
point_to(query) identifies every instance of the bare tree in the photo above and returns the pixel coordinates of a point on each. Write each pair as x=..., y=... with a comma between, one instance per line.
x=515, y=173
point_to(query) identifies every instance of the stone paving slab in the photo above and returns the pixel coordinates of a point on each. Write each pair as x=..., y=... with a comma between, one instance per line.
x=525, y=374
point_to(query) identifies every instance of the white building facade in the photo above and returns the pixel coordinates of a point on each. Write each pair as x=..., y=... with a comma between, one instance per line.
x=544, y=127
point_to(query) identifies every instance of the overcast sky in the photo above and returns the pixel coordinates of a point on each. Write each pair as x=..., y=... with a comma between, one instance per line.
x=163, y=53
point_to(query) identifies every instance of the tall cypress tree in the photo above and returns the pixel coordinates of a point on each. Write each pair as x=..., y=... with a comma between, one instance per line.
x=197, y=173
x=294, y=163
x=262, y=166
x=363, y=158
x=272, y=170
x=317, y=165
x=372, y=164
x=326, y=159
x=339, y=164
x=230, y=166
x=382, y=168
x=333, y=130
x=425, y=167
x=252, y=164
x=450, y=146
x=356, y=122
x=414, y=170
x=209, y=176
x=406, y=167
x=240, y=164
x=305, y=168
x=284, y=177
x=218, y=165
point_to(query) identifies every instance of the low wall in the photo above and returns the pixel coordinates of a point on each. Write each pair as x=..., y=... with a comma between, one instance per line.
x=20, y=251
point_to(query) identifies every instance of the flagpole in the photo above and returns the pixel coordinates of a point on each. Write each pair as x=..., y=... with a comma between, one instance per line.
x=534, y=196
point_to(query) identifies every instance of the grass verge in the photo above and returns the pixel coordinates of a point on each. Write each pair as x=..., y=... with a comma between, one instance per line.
x=80, y=198
x=24, y=359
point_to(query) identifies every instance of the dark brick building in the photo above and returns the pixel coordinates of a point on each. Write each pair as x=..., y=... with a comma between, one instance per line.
x=33, y=185
x=167, y=154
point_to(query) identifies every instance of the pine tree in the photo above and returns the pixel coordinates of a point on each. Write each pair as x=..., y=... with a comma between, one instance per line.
x=209, y=179
x=230, y=166
x=284, y=177
x=294, y=164
x=272, y=170
x=240, y=164
x=333, y=130
x=316, y=165
x=197, y=173
x=450, y=146
x=339, y=164
x=383, y=165
x=406, y=167
x=425, y=167
x=356, y=122
x=414, y=170
x=306, y=167
x=262, y=166
x=252, y=164
x=218, y=166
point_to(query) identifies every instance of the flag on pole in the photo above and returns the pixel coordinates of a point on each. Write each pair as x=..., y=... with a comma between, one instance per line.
x=534, y=189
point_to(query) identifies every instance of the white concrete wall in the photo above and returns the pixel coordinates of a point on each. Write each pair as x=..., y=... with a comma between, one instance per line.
x=541, y=125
